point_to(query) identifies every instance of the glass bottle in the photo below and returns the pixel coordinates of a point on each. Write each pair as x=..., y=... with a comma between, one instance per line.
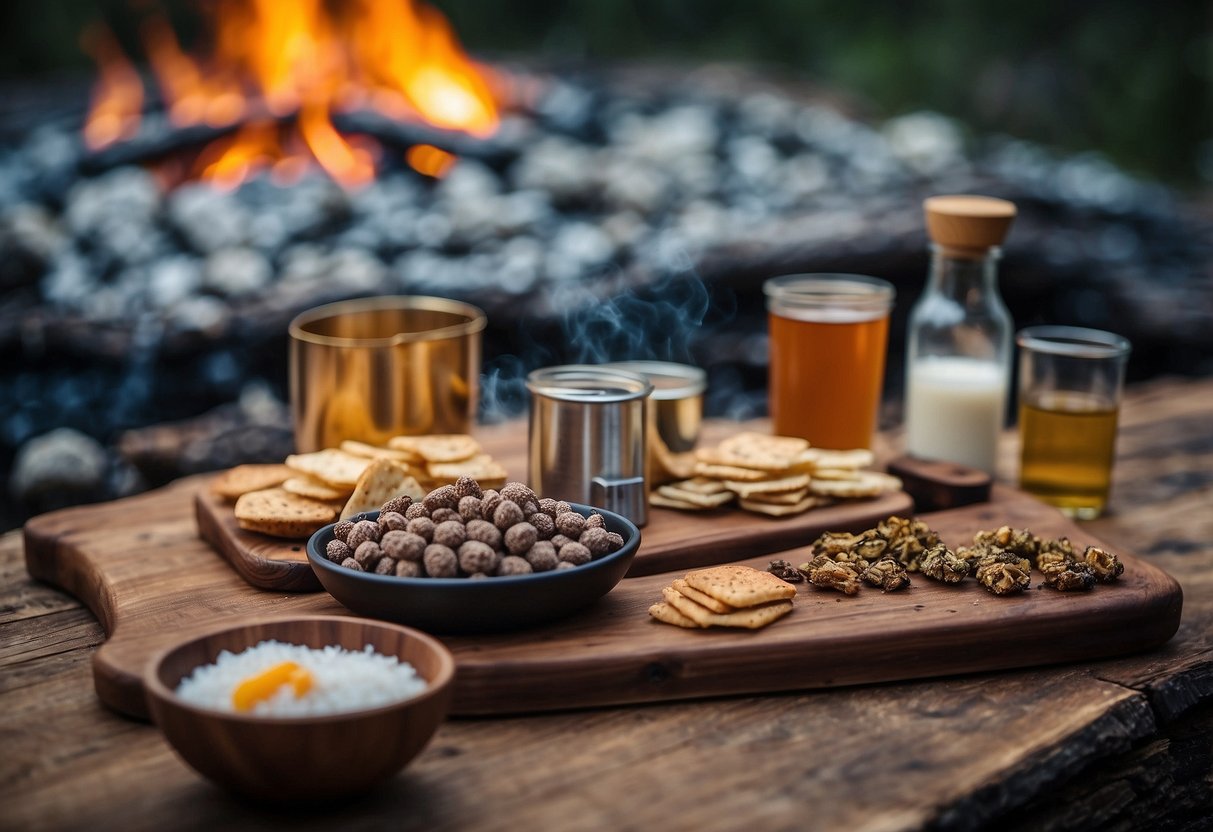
x=958, y=354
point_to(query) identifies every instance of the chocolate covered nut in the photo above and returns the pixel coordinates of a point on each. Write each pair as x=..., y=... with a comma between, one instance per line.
x=520, y=537
x=440, y=561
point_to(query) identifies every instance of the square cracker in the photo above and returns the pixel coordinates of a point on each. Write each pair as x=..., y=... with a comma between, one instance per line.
x=796, y=482
x=695, y=498
x=682, y=587
x=315, y=489
x=751, y=459
x=661, y=501
x=788, y=498
x=863, y=484
x=281, y=513
x=380, y=482
x=479, y=467
x=665, y=613
x=729, y=472
x=751, y=618
x=245, y=478
x=350, y=446
x=781, y=510
x=853, y=458
x=765, y=444
x=739, y=586
x=701, y=485
x=448, y=447
x=337, y=468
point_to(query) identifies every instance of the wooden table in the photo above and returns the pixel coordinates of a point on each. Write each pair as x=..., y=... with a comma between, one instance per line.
x=1109, y=744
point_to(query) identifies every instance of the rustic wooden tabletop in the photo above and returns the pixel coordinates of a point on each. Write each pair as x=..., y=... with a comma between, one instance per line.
x=1108, y=744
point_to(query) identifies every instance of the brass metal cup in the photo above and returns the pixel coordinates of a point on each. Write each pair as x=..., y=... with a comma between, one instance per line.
x=374, y=368
x=675, y=415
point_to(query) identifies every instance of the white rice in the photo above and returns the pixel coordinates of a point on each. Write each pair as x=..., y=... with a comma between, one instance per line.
x=342, y=680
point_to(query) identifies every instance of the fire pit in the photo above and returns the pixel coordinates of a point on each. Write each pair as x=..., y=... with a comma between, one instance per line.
x=154, y=246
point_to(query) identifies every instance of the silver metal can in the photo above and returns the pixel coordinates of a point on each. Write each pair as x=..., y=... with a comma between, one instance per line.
x=586, y=441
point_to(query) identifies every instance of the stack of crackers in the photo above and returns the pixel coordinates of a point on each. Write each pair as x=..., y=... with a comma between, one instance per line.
x=777, y=476
x=309, y=491
x=725, y=596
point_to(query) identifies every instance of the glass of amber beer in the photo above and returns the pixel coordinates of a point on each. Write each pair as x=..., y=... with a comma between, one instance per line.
x=1070, y=385
x=828, y=339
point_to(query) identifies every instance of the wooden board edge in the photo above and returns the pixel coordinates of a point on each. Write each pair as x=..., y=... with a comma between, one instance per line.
x=263, y=573
x=656, y=676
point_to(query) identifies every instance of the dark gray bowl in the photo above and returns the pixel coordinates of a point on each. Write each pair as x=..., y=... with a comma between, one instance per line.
x=461, y=605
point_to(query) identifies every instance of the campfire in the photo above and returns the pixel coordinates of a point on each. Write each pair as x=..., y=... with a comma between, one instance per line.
x=275, y=74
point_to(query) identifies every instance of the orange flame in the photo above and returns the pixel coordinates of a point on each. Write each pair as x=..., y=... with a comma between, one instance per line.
x=429, y=160
x=410, y=49
x=278, y=58
x=117, y=95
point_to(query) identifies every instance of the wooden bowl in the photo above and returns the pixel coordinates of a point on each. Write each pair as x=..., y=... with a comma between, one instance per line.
x=301, y=758
x=491, y=605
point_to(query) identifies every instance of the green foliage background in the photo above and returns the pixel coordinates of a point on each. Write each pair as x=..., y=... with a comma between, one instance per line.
x=1130, y=78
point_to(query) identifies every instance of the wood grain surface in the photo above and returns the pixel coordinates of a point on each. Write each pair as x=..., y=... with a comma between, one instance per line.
x=1122, y=743
x=613, y=653
x=672, y=539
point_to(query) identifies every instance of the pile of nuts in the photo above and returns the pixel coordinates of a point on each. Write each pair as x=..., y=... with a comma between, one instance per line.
x=461, y=531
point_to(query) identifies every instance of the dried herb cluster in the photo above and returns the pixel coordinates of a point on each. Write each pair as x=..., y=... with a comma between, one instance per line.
x=1001, y=560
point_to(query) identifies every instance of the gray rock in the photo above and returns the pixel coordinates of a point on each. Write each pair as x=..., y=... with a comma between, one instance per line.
x=58, y=468
x=237, y=272
x=209, y=219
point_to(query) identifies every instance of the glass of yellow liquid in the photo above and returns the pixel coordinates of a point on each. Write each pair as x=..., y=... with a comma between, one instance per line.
x=1071, y=381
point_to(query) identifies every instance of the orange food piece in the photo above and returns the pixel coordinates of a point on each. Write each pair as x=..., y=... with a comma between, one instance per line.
x=265, y=684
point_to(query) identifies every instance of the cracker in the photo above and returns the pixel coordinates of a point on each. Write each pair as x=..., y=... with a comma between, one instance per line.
x=749, y=459
x=855, y=458
x=796, y=482
x=382, y=481
x=729, y=472
x=695, y=498
x=751, y=618
x=864, y=484
x=764, y=444
x=662, y=501
x=665, y=613
x=479, y=467
x=449, y=447
x=336, y=468
x=315, y=489
x=835, y=473
x=375, y=452
x=245, y=478
x=739, y=586
x=787, y=498
x=701, y=485
x=781, y=510
x=700, y=598
x=281, y=513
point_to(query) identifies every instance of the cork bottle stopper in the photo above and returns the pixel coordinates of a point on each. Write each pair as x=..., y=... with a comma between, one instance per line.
x=968, y=225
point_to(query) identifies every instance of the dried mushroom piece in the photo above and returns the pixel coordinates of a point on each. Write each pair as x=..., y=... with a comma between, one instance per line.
x=1019, y=541
x=973, y=555
x=785, y=571
x=888, y=574
x=833, y=575
x=940, y=563
x=1068, y=576
x=1103, y=564
x=1004, y=574
x=833, y=544
x=1055, y=551
x=1003, y=556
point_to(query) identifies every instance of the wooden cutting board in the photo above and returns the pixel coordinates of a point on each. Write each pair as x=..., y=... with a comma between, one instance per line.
x=140, y=567
x=672, y=539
